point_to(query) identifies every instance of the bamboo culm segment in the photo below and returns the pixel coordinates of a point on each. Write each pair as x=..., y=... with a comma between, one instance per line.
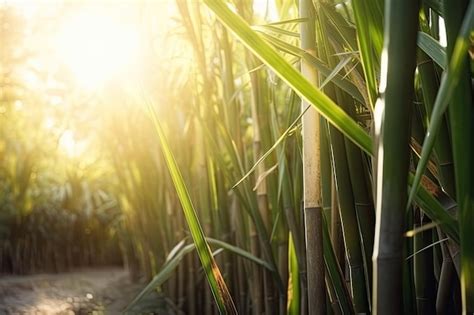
x=312, y=198
x=392, y=112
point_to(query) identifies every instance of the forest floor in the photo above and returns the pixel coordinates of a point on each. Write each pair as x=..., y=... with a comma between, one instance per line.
x=89, y=291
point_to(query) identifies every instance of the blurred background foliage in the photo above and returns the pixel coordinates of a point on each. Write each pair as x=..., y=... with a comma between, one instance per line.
x=58, y=210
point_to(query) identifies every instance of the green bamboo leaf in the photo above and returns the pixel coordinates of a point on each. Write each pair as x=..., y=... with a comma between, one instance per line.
x=339, y=29
x=459, y=18
x=290, y=75
x=239, y=251
x=219, y=289
x=436, y=5
x=276, y=30
x=291, y=127
x=176, y=249
x=336, y=70
x=289, y=21
x=337, y=79
x=294, y=294
x=432, y=48
x=175, y=257
x=426, y=247
x=436, y=211
x=334, y=273
x=449, y=82
x=321, y=102
x=368, y=17
x=442, y=148
x=165, y=272
x=421, y=229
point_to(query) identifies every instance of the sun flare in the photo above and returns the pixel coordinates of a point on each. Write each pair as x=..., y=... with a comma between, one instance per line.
x=96, y=47
x=67, y=143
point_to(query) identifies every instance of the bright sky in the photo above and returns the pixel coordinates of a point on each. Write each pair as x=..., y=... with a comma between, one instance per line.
x=96, y=46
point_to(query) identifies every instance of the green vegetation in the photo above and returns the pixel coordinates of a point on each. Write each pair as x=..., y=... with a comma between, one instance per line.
x=300, y=157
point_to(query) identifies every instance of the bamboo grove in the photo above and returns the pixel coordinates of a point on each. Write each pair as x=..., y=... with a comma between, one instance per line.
x=311, y=157
x=375, y=197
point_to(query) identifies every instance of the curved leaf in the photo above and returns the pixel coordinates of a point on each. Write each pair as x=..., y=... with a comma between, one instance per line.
x=432, y=48
x=325, y=106
x=449, y=81
x=175, y=257
x=219, y=289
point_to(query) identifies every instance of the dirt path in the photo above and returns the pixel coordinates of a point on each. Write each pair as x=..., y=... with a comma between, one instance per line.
x=90, y=291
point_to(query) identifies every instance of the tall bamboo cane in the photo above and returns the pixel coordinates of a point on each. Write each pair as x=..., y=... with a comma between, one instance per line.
x=392, y=128
x=311, y=174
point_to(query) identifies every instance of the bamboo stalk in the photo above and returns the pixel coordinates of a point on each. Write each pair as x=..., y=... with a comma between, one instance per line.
x=392, y=130
x=312, y=174
x=409, y=295
x=350, y=228
x=262, y=195
x=446, y=282
x=336, y=228
x=442, y=149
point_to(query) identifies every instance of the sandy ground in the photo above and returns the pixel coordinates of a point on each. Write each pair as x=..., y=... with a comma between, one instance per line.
x=89, y=291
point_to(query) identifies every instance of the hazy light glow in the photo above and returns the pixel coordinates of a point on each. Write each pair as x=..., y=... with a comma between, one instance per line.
x=97, y=47
x=67, y=143
x=18, y=105
x=72, y=146
x=266, y=8
x=49, y=122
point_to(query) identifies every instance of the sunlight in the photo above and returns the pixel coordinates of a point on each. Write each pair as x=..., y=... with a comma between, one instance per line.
x=49, y=122
x=97, y=47
x=133, y=131
x=267, y=9
x=67, y=144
